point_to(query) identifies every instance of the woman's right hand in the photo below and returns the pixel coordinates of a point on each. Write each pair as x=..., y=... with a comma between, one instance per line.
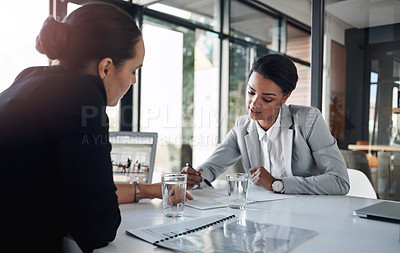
x=193, y=176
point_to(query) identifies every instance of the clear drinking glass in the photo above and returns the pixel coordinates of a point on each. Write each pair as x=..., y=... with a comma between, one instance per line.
x=237, y=189
x=173, y=194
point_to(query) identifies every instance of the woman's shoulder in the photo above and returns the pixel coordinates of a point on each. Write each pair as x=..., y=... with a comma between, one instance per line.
x=62, y=86
x=302, y=109
x=301, y=115
x=29, y=72
x=50, y=73
x=303, y=112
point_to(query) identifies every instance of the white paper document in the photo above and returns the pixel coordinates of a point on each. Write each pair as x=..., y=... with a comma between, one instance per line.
x=259, y=194
x=208, y=198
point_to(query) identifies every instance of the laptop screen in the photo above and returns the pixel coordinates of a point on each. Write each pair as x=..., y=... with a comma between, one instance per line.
x=133, y=155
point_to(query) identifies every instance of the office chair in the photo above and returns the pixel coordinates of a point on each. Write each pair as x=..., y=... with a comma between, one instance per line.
x=357, y=160
x=360, y=186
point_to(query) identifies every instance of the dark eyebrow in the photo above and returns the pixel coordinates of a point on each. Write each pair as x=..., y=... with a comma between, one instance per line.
x=266, y=94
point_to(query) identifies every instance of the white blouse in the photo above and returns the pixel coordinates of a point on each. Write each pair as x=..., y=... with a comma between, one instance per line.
x=271, y=148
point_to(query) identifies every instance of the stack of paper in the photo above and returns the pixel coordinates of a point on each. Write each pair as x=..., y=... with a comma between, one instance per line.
x=208, y=198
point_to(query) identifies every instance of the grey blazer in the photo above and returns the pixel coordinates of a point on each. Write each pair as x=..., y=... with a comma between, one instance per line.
x=312, y=160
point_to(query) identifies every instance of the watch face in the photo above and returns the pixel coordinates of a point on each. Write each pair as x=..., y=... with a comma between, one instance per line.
x=277, y=186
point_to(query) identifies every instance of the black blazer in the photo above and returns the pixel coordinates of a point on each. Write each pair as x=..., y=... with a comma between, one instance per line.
x=55, y=162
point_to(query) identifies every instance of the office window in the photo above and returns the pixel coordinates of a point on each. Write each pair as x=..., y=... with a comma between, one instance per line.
x=337, y=113
x=205, y=12
x=180, y=92
x=302, y=94
x=206, y=95
x=384, y=122
x=372, y=123
x=298, y=43
x=254, y=26
x=19, y=28
x=298, y=46
x=241, y=57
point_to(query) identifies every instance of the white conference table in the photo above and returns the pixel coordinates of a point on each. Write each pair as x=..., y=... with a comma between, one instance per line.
x=338, y=230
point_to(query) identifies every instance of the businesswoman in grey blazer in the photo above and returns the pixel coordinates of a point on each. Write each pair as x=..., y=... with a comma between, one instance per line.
x=285, y=149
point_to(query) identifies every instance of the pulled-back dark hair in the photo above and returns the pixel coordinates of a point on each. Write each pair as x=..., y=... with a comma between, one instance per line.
x=92, y=32
x=277, y=68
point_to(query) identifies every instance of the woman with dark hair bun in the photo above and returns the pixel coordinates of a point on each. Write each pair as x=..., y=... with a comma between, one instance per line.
x=54, y=153
x=284, y=149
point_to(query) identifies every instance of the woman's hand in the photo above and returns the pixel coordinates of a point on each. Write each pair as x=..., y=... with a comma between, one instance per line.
x=260, y=176
x=193, y=176
x=188, y=196
x=175, y=195
x=126, y=192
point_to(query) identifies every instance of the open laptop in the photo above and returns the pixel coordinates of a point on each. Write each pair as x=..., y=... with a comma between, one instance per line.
x=385, y=210
x=133, y=155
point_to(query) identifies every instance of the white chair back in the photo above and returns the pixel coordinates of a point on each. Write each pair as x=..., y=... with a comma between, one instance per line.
x=360, y=186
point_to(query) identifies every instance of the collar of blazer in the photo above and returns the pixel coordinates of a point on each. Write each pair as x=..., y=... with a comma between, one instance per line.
x=286, y=117
x=253, y=144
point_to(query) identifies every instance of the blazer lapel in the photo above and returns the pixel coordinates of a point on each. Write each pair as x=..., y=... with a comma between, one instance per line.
x=287, y=139
x=253, y=145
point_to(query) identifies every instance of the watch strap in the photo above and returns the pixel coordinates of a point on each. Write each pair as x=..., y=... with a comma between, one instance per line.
x=137, y=191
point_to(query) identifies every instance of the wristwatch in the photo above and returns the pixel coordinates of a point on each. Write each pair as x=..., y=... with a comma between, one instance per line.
x=277, y=186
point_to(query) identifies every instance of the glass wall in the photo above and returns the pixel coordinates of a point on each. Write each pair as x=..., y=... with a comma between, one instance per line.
x=298, y=43
x=163, y=83
x=298, y=46
x=253, y=25
x=206, y=96
x=205, y=12
x=180, y=92
x=302, y=94
x=240, y=60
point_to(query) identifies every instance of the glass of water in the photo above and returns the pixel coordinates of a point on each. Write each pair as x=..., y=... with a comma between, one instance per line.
x=173, y=194
x=237, y=189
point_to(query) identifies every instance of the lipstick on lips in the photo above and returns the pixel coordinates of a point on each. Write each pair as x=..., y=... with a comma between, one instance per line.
x=254, y=112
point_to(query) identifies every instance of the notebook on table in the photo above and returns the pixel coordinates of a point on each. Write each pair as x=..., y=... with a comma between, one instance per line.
x=385, y=210
x=219, y=233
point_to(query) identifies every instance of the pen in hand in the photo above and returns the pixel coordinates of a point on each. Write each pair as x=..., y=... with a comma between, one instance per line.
x=204, y=179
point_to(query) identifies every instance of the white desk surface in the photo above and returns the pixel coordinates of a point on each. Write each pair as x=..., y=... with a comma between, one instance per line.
x=338, y=230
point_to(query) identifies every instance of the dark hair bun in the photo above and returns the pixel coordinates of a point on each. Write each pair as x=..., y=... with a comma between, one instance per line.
x=52, y=39
x=279, y=69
